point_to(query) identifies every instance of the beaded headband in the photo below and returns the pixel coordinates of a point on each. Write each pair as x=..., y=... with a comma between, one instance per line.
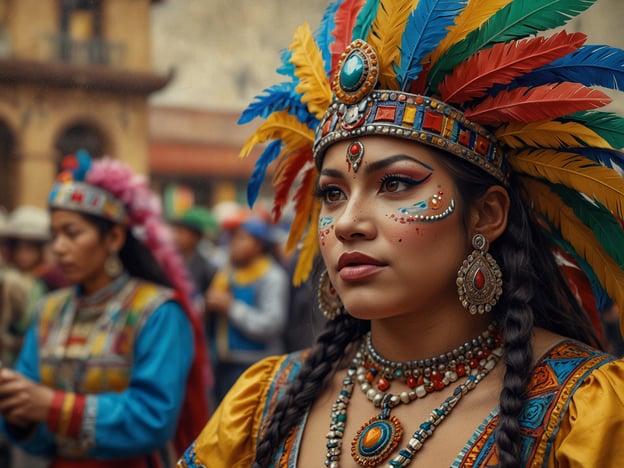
x=358, y=109
x=85, y=198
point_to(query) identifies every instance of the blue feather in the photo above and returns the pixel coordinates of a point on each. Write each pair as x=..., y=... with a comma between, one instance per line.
x=287, y=68
x=365, y=20
x=426, y=26
x=591, y=65
x=278, y=98
x=613, y=159
x=84, y=164
x=255, y=181
x=323, y=34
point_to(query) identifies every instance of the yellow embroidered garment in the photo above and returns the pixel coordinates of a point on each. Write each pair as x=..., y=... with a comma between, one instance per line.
x=589, y=434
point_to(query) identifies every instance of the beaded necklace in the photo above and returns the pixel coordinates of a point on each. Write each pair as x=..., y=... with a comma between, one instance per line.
x=378, y=438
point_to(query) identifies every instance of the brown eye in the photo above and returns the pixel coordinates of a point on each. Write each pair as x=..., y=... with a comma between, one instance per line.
x=391, y=185
x=333, y=195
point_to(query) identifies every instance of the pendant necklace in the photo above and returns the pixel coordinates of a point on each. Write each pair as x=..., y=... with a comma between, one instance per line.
x=377, y=439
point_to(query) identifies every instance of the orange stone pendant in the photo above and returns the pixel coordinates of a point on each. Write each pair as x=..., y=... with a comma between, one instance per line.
x=376, y=440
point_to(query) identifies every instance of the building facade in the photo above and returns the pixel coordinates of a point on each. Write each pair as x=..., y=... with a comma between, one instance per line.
x=73, y=73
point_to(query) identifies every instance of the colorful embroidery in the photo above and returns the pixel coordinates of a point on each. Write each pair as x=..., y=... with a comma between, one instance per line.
x=554, y=381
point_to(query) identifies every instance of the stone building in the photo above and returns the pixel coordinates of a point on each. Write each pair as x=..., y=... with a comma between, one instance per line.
x=73, y=73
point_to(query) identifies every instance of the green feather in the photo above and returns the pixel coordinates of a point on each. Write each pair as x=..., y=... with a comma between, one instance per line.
x=365, y=20
x=595, y=216
x=606, y=124
x=555, y=236
x=517, y=20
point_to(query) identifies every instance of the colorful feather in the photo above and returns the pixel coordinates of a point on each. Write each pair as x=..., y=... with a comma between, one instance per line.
x=257, y=177
x=503, y=62
x=535, y=104
x=280, y=125
x=517, y=20
x=288, y=167
x=303, y=199
x=549, y=134
x=426, y=26
x=613, y=159
x=324, y=34
x=606, y=124
x=605, y=226
x=474, y=15
x=601, y=297
x=385, y=37
x=309, y=247
x=345, y=19
x=310, y=70
x=592, y=65
x=580, y=237
x=574, y=171
x=365, y=19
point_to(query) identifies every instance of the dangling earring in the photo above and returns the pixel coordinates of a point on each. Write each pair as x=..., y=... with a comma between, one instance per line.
x=329, y=301
x=479, y=279
x=112, y=265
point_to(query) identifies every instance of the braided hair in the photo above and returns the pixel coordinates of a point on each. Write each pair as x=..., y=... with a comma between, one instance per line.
x=536, y=294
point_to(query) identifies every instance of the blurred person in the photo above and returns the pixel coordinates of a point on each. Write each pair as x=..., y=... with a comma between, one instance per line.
x=189, y=231
x=27, y=234
x=247, y=302
x=111, y=371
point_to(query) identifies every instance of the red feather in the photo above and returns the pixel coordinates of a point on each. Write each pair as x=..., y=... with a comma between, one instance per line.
x=344, y=20
x=504, y=62
x=285, y=174
x=538, y=103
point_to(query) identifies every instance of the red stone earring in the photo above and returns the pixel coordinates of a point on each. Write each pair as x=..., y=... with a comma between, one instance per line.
x=479, y=279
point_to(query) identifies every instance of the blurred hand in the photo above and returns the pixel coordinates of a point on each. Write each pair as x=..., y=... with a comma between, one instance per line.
x=218, y=301
x=23, y=401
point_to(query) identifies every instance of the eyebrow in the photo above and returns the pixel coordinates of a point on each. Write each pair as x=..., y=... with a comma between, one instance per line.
x=378, y=165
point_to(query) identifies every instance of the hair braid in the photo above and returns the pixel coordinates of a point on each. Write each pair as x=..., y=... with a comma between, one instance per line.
x=328, y=350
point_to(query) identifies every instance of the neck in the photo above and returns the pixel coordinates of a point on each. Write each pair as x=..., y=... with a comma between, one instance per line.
x=412, y=338
x=95, y=285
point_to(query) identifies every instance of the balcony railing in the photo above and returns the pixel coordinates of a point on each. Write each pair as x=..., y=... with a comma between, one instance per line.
x=86, y=52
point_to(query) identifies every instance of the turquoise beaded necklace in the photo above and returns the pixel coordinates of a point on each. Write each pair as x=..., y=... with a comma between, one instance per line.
x=380, y=436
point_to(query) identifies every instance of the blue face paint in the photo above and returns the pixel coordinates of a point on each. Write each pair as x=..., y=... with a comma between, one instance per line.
x=325, y=221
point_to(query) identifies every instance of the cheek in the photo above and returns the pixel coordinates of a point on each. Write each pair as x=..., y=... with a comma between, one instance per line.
x=325, y=230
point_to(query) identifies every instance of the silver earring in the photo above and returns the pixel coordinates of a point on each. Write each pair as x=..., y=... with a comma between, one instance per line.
x=479, y=279
x=329, y=301
x=113, y=266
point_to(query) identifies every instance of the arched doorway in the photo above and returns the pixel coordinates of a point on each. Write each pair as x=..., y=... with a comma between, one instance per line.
x=7, y=167
x=81, y=136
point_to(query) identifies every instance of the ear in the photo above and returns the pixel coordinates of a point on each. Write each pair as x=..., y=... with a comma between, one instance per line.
x=489, y=214
x=115, y=238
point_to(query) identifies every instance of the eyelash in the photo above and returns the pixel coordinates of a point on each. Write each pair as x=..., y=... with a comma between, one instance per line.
x=410, y=181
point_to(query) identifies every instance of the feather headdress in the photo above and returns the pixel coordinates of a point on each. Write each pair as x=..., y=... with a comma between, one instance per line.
x=487, y=81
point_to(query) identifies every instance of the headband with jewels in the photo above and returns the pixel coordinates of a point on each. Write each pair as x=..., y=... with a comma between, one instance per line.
x=85, y=198
x=487, y=81
x=358, y=109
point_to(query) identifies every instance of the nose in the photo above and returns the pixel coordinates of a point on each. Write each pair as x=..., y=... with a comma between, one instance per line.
x=355, y=222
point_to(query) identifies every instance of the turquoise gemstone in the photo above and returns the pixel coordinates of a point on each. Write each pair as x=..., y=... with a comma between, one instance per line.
x=352, y=71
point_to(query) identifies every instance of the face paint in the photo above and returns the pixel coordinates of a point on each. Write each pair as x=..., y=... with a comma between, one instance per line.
x=414, y=213
x=325, y=225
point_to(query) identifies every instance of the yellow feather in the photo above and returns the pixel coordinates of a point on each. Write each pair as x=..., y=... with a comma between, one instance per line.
x=281, y=125
x=580, y=237
x=308, y=61
x=550, y=134
x=474, y=15
x=310, y=247
x=385, y=37
x=303, y=204
x=575, y=172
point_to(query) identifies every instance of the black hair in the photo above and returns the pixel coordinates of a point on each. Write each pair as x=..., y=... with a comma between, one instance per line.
x=135, y=257
x=535, y=294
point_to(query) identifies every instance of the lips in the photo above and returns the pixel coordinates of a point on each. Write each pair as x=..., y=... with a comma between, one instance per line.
x=354, y=266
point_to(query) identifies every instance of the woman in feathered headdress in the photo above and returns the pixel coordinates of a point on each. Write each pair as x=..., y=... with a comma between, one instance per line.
x=111, y=373
x=467, y=199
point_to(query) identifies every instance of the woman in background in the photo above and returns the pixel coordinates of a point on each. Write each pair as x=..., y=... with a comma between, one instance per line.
x=110, y=374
